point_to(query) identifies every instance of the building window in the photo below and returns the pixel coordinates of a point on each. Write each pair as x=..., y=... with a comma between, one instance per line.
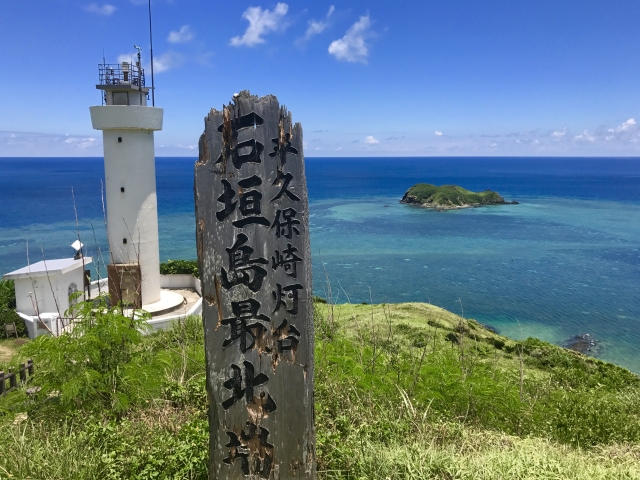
x=73, y=288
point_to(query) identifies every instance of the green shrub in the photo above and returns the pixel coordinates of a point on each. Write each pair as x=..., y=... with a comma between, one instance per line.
x=96, y=363
x=174, y=267
x=8, y=308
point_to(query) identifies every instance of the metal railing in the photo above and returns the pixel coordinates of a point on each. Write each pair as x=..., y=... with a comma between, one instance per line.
x=121, y=74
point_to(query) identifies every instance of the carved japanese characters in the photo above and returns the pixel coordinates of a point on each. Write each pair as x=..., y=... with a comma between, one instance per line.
x=253, y=248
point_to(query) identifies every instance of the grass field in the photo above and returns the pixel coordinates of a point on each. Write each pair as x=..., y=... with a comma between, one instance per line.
x=402, y=391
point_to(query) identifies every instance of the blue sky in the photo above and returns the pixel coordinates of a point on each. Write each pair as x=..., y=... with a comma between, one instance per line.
x=365, y=78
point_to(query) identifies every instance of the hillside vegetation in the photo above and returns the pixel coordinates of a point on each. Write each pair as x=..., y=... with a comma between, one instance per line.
x=428, y=195
x=403, y=391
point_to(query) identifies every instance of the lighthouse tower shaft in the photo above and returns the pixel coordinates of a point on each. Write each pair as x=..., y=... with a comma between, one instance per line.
x=127, y=125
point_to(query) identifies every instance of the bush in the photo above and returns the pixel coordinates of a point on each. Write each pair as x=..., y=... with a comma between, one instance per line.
x=175, y=267
x=95, y=363
x=8, y=308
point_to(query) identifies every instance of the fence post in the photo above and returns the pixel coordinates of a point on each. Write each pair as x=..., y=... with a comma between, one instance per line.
x=1, y=382
x=13, y=383
x=23, y=373
x=30, y=366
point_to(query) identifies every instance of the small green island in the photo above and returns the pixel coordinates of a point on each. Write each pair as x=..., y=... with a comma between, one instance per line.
x=450, y=197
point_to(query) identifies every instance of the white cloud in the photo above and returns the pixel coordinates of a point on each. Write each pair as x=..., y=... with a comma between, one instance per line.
x=559, y=133
x=127, y=57
x=318, y=26
x=46, y=144
x=161, y=63
x=371, y=140
x=81, y=142
x=260, y=23
x=353, y=46
x=105, y=9
x=437, y=133
x=628, y=125
x=167, y=61
x=181, y=36
x=585, y=136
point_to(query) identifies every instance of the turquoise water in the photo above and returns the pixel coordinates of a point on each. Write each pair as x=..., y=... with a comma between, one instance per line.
x=546, y=268
x=565, y=261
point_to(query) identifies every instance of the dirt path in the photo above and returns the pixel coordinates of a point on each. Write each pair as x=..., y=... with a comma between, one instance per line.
x=5, y=353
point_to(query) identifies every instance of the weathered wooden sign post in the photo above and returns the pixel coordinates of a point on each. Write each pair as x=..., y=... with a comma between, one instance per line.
x=252, y=221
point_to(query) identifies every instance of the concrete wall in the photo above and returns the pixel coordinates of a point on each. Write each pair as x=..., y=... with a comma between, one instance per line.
x=180, y=281
x=163, y=323
x=99, y=287
x=167, y=281
x=43, y=325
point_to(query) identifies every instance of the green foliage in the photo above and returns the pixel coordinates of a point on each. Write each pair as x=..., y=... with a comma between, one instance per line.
x=451, y=195
x=160, y=432
x=173, y=267
x=360, y=435
x=394, y=399
x=7, y=294
x=161, y=445
x=412, y=405
x=96, y=363
x=572, y=370
x=449, y=371
x=8, y=307
x=133, y=450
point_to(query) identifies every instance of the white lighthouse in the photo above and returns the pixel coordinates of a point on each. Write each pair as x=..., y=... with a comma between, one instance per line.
x=127, y=125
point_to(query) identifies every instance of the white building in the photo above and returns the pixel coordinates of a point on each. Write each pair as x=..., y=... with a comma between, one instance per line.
x=43, y=290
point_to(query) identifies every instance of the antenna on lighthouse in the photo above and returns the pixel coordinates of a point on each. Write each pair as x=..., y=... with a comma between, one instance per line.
x=139, y=63
x=153, y=89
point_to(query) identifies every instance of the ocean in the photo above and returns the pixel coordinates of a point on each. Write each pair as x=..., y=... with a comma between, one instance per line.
x=564, y=262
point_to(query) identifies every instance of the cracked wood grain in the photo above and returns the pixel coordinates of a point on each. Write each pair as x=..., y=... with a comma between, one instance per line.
x=252, y=233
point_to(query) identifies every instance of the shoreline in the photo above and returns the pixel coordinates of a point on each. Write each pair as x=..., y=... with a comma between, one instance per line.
x=444, y=208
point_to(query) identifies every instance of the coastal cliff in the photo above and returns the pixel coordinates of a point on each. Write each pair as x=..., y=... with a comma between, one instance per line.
x=450, y=197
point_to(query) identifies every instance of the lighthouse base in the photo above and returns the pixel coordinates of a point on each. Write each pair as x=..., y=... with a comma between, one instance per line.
x=169, y=302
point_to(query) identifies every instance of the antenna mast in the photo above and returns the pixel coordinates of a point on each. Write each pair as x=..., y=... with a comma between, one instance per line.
x=153, y=89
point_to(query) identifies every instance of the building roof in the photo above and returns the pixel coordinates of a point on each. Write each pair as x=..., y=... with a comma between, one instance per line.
x=58, y=266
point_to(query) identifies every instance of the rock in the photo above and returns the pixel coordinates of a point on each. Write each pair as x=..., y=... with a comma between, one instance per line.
x=584, y=343
x=491, y=328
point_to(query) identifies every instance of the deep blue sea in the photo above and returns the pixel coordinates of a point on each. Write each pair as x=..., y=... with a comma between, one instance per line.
x=565, y=261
